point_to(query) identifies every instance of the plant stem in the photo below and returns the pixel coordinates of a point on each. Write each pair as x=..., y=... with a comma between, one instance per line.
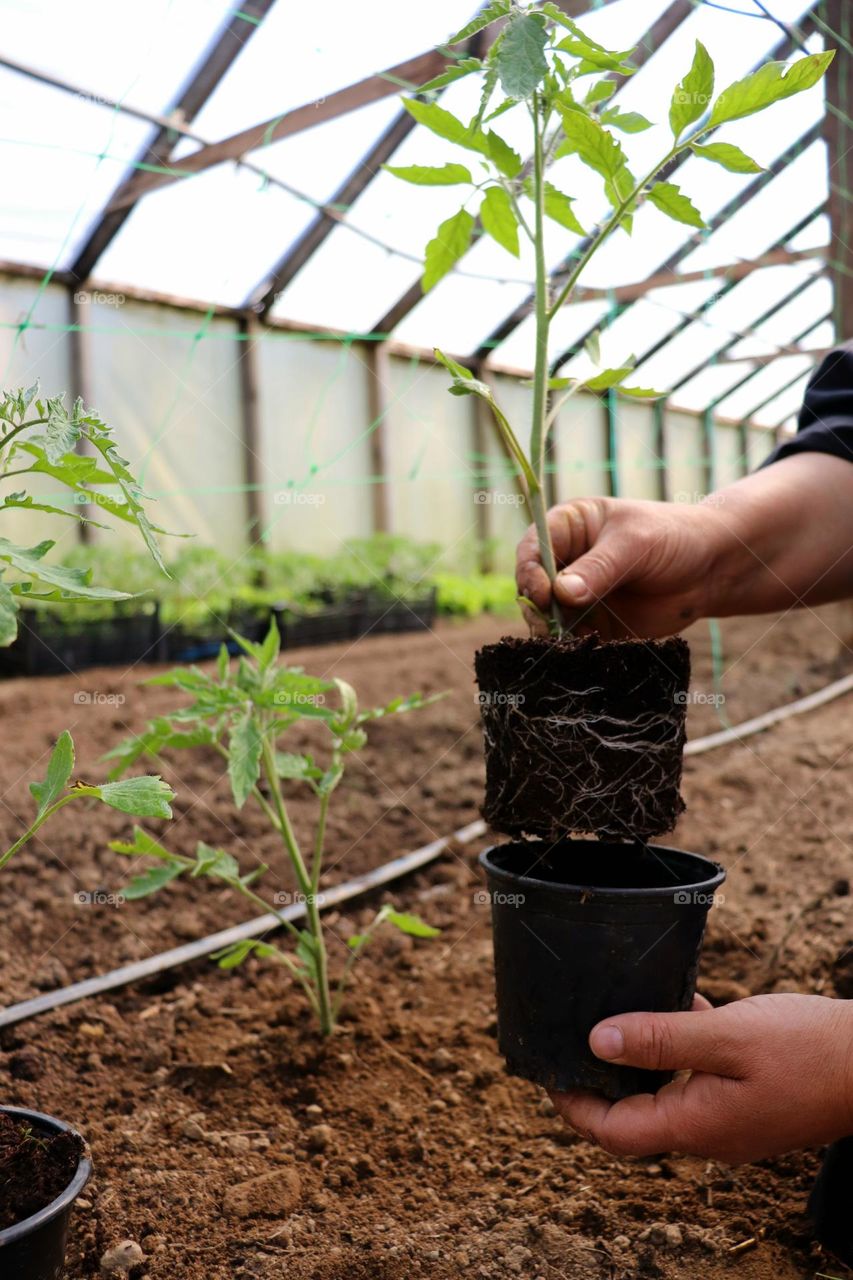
x=306, y=884
x=31, y=830
x=538, y=434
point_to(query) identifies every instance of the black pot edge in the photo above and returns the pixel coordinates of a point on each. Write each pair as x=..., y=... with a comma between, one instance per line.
x=64, y=1201
x=711, y=883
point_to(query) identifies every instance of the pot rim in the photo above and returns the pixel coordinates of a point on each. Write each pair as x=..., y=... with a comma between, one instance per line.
x=711, y=882
x=66, y=1198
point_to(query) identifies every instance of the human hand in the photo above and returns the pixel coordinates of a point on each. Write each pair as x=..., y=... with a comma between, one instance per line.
x=770, y=1074
x=630, y=567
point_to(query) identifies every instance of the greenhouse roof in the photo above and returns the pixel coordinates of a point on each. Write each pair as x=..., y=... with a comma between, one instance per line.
x=233, y=157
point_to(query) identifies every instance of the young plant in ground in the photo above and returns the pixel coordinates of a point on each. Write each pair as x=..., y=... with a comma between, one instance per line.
x=243, y=710
x=40, y=437
x=145, y=797
x=544, y=63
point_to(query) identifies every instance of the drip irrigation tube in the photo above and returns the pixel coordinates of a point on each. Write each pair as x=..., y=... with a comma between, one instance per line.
x=386, y=874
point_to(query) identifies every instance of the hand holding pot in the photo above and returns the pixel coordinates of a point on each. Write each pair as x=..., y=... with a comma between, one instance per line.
x=770, y=1074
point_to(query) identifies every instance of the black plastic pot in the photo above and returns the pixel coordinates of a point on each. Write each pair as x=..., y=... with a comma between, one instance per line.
x=584, y=930
x=829, y=1203
x=35, y=1248
x=46, y=645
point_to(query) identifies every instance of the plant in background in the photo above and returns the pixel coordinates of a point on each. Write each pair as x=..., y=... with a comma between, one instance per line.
x=40, y=438
x=242, y=710
x=542, y=62
x=143, y=797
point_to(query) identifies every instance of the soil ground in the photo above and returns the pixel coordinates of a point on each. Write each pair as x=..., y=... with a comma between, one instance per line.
x=401, y=1147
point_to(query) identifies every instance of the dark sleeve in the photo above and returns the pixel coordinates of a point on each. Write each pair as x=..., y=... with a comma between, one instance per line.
x=826, y=418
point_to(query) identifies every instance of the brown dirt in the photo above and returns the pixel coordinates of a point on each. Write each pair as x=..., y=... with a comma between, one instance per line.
x=401, y=1148
x=34, y=1168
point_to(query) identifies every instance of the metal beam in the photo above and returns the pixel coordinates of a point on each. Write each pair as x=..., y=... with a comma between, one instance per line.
x=383, y=84
x=241, y=25
x=763, y=361
x=262, y=298
x=81, y=368
x=251, y=426
x=732, y=272
x=672, y=18
x=839, y=140
x=736, y=386
x=378, y=383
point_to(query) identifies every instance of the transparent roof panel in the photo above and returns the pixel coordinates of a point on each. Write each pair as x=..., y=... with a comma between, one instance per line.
x=784, y=406
x=139, y=51
x=217, y=235
x=710, y=384
x=69, y=153
x=772, y=378
x=809, y=306
x=294, y=61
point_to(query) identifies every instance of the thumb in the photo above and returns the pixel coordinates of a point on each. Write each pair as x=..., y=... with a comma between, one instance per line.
x=698, y=1040
x=600, y=570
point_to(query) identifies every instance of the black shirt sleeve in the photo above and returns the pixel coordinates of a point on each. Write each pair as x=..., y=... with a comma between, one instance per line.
x=826, y=418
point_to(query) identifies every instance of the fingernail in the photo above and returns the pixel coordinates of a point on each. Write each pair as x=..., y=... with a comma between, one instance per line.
x=607, y=1042
x=574, y=586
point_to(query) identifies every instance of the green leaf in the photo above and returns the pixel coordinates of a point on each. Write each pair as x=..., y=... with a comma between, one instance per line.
x=464, y=67
x=244, y=756
x=72, y=584
x=626, y=121
x=400, y=706
x=558, y=207
x=641, y=393
x=592, y=143
x=215, y=863
x=223, y=662
x=729, y=156
x=8, y=615
x=412, y=925
x=497, y=9
x=501, y=153
x=100, y=439
x=62, y=430
x=669, y=198
x=295, y=767
x=450, y=242
x=330, y=779
x=608, y=378
x=445, y=125
x=271, y=646
x=692, y=97
x=142, y=797
x=448, y=175
x=498, y=218
x=770, y=83
x=153, y=879
x=594, y=57
x=59, y=768
x=600, y=92
x=142, y=845
x=521, y=61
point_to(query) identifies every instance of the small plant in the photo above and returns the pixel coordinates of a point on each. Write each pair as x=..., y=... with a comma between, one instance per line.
x=40, y=438
x=541, y=62
x=144, y=797
x=242, y=711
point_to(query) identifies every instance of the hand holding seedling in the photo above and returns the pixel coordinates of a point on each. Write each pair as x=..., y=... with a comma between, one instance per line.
x=770, y=1074
x=633, y=568
x=544, y=66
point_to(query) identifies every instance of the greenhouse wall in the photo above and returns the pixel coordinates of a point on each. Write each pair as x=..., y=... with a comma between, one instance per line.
x=171, y=381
